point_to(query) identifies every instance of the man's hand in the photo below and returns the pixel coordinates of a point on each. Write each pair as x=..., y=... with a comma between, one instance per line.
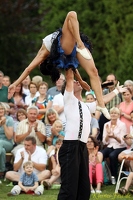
x=22, y=155
x=29, y=158
x=11, y=91
x=35, y=126
x=121, y=88
x=30, y=129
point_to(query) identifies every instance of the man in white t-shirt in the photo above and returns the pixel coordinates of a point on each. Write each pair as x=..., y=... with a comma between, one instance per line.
x=73, y=155
x=30, y=152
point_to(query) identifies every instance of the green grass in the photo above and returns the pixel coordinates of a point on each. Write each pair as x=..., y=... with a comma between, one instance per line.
x=107, y=193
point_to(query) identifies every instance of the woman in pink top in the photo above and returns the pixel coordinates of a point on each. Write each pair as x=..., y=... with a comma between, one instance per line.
x=95, y=165
x=126, y=107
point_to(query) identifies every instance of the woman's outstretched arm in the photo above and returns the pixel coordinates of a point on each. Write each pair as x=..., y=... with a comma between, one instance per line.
x=40, y=57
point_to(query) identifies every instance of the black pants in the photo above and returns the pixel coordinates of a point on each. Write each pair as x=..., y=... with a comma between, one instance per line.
x=112, y=154
x=73, y=159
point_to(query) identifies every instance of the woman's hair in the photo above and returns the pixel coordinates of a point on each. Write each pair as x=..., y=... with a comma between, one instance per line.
x=43, y=83
x=115, y=109
x=128, y=90
x=21, y=110
x=94, y=140
x=21, y=89
x=58, y=121
x=32, y=83
x=58, y=141
x=27, y=164
x=2, y=105
x=128, y=82
x=50, y=111
x=37, y=79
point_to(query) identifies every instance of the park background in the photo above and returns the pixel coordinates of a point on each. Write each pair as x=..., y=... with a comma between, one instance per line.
x=108, y=23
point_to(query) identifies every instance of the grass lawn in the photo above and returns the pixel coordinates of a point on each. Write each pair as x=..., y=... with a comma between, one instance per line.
x=107, y=193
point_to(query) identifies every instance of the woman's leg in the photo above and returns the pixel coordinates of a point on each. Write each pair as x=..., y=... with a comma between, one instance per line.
x=5, y=146
x=71, y=35
x=129, y=181
x=91, y=70
x=99, y=176
x=90, y=173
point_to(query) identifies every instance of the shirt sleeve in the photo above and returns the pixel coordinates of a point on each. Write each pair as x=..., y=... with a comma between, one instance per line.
x=35, y=177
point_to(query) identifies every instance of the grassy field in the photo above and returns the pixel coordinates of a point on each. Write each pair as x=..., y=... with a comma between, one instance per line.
x=107, y=193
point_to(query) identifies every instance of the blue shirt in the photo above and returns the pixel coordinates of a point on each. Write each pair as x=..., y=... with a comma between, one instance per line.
x=55, y=138
x=28, y=180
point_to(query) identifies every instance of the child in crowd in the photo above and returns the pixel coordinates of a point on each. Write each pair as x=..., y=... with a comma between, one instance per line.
x=55, y=165
x=90, y=96
x=58, y=132
x=28, y=182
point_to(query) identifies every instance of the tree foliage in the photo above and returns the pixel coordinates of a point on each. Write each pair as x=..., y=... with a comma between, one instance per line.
x=107, y=23
x=19, y=21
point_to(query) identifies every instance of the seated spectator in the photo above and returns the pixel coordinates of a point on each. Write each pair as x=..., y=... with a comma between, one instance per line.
x=41, y=101
x=126, y=107
x=28, y=182
x=113, y=134
x=20, y=115
x=128, y=138
x=6, y=81
x=30, y=126
x=55, y=166
x=19, y=101
x=30, y=152
x=33, y=94
x=50, y=117
x=57, y=131
x=6, y=136
x=95, y=165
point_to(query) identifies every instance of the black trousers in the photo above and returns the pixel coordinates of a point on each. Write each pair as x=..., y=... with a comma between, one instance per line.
x=73, y=159
x=112, y=154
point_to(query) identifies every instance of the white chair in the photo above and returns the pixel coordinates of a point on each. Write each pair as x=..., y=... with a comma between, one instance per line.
x=122, y=176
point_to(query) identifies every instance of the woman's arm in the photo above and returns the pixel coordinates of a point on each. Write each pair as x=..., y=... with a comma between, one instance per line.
x=8, y=130
x=40, y=57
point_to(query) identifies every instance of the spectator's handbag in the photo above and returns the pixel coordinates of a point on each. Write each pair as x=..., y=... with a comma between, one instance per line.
x=106, y=173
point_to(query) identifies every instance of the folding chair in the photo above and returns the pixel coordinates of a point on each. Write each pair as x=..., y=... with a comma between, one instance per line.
x=122, y=176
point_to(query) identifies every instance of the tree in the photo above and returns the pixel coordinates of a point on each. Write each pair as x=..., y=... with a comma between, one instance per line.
x=109, y=26
x=19, y=28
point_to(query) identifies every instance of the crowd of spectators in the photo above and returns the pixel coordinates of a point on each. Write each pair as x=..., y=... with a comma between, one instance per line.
x=32, y=128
